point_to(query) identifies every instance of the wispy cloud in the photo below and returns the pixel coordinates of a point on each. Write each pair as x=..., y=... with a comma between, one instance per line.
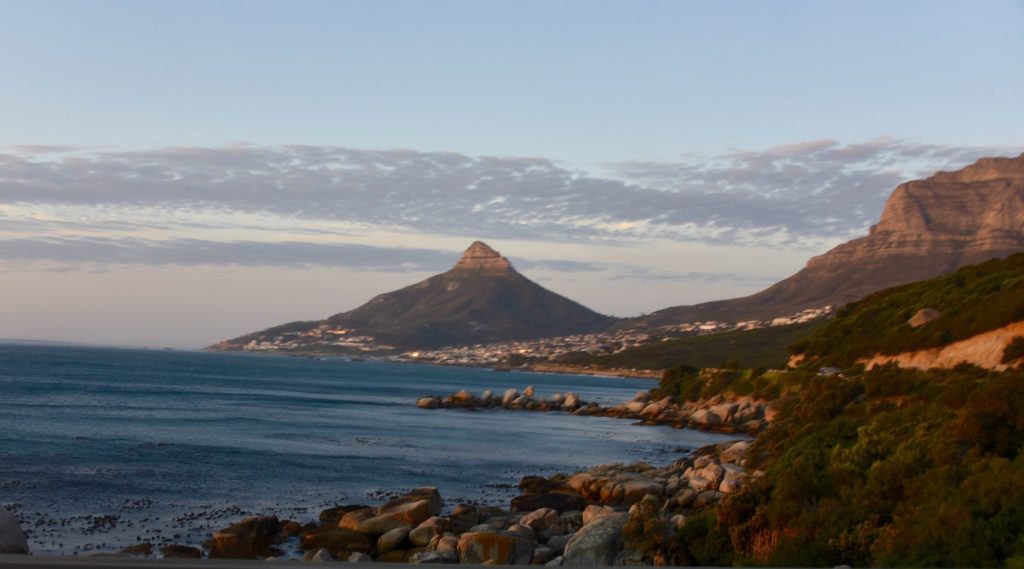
x=62, y=254
x=62, y=251
x=793, y=194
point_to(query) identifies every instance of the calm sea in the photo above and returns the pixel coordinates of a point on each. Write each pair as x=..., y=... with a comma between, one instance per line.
x=101, y=448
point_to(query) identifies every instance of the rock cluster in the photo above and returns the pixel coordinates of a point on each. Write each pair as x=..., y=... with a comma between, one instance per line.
x=562, y=520
x=719, y=413
x=12, y=538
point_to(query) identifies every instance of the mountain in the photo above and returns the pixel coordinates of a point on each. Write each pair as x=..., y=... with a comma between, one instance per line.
x=928, y=228
x=983, y=304
x=481, y=299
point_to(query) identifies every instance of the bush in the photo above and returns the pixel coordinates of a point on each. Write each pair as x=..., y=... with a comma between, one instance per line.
x=1014, y=350
x=892, y=467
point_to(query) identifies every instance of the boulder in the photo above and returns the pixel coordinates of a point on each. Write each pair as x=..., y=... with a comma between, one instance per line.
x=541, y=519
x=410, y=510
x=335, y=539
x=334, y=515
x=707, y=478
x=174, y=551
x=428, y=402
x=542, y=554
x=429, y=557
x=351, y=520
x=392, y=539
x=733, y=472
x=635, y=490
x=528, y=392
x=652, y=410
x=487, y=397
x=725, y=411
x=447, y=545
x=142, y=549
x=559, y=501
x=509, y=396
x=685, y=497
x=642, y=396
x=12, y=538
x=538, y=485
x=595, y=512
x=570, y=402
x=394, y=556
x=359, y=557
x=597, y=543
x=923, y=316
x=636, y=406
x=730, y=486
x=735, y=452
x=248, y=539
x=557, y=543
x=706, y=498
x=678, y=521
x=570, y=521
x=428, y=530
x=322, y=555
x=502, y=548
x=556, y=562
x=705, y=418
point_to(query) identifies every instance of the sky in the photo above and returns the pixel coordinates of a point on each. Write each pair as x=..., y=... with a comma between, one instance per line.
x=175, y=173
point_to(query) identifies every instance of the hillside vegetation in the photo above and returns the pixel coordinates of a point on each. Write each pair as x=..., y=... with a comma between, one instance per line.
x=972, y=300
x=764, y=347
x=892, y=467
x=887, y=467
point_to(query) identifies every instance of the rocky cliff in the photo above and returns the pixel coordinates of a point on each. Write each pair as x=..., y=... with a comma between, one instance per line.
x=928, y=227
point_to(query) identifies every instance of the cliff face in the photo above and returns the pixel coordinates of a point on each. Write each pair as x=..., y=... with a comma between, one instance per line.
x=928, y=227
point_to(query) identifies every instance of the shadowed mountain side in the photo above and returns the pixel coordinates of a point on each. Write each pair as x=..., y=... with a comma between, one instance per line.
x=481, y=299
x=929, y=227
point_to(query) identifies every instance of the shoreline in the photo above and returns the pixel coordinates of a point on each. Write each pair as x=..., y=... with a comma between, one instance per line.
x=580, y=517
x=579, y=498
x=540, y=367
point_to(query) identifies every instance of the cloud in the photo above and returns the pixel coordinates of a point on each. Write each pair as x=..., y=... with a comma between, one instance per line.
x=190, y=252
x=814, y=189
x=795, y=194
x=62, y=254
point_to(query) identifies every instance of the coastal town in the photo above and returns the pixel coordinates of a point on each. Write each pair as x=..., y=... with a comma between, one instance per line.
x=547, y=349
x=326, y=340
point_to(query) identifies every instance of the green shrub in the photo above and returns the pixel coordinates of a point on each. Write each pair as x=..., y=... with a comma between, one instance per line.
x=972, y=300
x=1014, y=350
x=891, y=467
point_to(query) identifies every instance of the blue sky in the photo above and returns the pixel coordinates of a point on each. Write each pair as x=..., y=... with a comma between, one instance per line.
x=267, y=161
x=583, y=82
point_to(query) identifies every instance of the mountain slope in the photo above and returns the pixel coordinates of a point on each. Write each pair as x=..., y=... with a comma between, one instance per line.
x=763, y=347
x=925, y=315
x=928, y=228
x=481, y=299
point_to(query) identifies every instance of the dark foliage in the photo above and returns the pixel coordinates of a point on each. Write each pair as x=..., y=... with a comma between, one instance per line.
x=891, y=467
x=972, y=300
x=764, y=347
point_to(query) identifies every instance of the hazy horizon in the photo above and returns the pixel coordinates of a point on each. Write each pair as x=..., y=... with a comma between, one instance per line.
x=175, y=173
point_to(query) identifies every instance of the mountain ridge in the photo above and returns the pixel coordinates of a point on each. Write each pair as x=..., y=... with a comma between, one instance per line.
x=928, y=227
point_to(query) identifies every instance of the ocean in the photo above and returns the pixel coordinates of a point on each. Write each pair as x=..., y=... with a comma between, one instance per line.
x=102, y=448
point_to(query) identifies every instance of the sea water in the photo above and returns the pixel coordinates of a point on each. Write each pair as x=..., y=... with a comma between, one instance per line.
x=102, y=448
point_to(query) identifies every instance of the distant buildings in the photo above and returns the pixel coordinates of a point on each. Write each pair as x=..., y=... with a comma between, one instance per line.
x=326, y=340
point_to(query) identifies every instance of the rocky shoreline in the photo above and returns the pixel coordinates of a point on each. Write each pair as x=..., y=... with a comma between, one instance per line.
x=720, y=414
x=601, y=516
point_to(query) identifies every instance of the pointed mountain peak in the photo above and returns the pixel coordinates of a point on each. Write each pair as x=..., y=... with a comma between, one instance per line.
x=480, y=257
